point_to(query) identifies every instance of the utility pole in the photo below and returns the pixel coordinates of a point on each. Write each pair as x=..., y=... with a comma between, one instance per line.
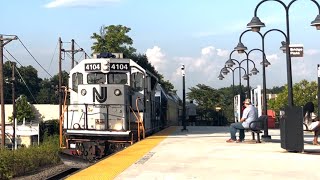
x=72, y=53
x=3, y=42
x=60, y=78
x=13, y=80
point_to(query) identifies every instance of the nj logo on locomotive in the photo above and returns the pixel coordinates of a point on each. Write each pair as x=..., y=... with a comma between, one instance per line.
x=101, y=98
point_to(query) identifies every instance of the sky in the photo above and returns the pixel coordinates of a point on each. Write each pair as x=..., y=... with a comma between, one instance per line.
x=199, y=34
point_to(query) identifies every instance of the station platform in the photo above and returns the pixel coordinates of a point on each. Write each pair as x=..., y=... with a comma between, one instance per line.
x=202, y=153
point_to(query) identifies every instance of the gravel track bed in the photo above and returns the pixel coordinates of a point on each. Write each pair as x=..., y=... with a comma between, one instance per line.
x=43, y=173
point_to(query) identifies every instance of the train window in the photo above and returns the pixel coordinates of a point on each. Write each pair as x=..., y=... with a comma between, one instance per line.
x=77, y=78
x=117, y=78
x=137, y=81
x=96, y=78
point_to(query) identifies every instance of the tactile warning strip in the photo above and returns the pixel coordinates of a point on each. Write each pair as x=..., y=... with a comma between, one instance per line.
x=114, y=165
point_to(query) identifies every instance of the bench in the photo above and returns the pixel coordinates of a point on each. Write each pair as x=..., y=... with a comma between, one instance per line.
x=257, y=127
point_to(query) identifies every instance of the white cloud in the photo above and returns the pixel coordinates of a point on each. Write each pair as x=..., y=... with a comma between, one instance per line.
x=202, y=69
x=208, y=51
x=222, y=53
x=76, y=3
x=311, y=52
x=156, y=57
x=273, y=58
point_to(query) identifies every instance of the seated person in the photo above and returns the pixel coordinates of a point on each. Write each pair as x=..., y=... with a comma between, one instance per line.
x=311, y=122
x=250, y=113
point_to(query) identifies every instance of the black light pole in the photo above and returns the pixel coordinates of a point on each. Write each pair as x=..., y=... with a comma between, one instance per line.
x=184, y=100
x=240, y=48
x=220, y=77
x=254, y=70
x=255, y=24
x=248, y=81
x=225, y=71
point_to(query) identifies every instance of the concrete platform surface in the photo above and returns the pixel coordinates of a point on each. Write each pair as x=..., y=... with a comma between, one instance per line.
x=202, y=153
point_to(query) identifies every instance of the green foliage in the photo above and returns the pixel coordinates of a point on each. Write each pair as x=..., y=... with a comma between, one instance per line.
x=25, y=160
x=49, y=128
x=23, y=109
x=303, y=92
x=6, y=164
x=205, y=96
x=113, y=39
x=275, y=90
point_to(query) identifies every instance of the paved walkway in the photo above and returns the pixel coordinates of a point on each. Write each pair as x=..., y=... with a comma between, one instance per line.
x=202, y=153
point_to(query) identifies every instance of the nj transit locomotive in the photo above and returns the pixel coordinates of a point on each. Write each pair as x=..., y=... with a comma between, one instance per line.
x=112, y=104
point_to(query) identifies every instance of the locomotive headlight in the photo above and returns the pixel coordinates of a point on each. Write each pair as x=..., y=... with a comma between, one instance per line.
x=117, y=92
x=83, y=92
x=118, y=126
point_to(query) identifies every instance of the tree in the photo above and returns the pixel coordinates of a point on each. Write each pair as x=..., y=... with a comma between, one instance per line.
x=275, y=90
x=113, y=39
x=27, y=82
x=303, y=92
x=47, y=93
x=23, y=110
x=205, y=96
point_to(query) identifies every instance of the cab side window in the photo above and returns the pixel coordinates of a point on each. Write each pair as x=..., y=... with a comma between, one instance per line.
x=77, y=78
x=137, y=81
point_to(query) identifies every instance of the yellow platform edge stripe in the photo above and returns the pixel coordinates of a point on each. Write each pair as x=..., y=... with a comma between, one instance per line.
x=114, y=165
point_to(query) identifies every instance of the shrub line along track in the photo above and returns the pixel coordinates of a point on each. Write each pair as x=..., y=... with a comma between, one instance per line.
x=112, y=166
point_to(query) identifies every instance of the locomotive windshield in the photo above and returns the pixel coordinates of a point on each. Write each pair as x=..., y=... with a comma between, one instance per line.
x=96, y=78
x=117, y=78
x=113, y=78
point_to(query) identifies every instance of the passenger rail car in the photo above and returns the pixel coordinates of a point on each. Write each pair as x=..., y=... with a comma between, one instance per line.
x=112, y=104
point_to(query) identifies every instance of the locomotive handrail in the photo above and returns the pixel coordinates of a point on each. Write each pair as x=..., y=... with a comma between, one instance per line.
x=139, y=120
x=62, y=116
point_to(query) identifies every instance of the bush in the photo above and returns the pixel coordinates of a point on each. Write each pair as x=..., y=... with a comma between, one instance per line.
x=26, y=160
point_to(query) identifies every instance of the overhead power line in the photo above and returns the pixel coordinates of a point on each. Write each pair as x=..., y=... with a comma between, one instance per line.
x=55, y=49
x=24, y=82
x=83, y=50
x=34, y=58
x=12, y=57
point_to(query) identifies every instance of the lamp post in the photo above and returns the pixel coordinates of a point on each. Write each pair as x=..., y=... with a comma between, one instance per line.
x=184, y=100
x=255, y=24
x=220, y=77
x=240, y=48
x=225, y=71
x=254, y=70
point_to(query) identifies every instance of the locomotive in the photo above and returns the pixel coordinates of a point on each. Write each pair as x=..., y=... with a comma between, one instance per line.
x=110, y=103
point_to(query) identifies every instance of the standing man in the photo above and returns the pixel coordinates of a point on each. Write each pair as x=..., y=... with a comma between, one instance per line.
x=250, y=113
x=191, y=112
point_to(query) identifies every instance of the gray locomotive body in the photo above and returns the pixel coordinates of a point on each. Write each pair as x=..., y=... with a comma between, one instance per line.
x=112, y=104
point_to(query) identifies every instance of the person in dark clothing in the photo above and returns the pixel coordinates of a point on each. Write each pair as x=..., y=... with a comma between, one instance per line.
x=311, y=121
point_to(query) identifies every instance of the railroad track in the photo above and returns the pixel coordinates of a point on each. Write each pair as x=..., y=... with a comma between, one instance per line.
x=63, y=174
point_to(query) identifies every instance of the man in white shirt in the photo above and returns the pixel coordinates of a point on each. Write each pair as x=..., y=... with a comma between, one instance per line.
x=250, y=113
